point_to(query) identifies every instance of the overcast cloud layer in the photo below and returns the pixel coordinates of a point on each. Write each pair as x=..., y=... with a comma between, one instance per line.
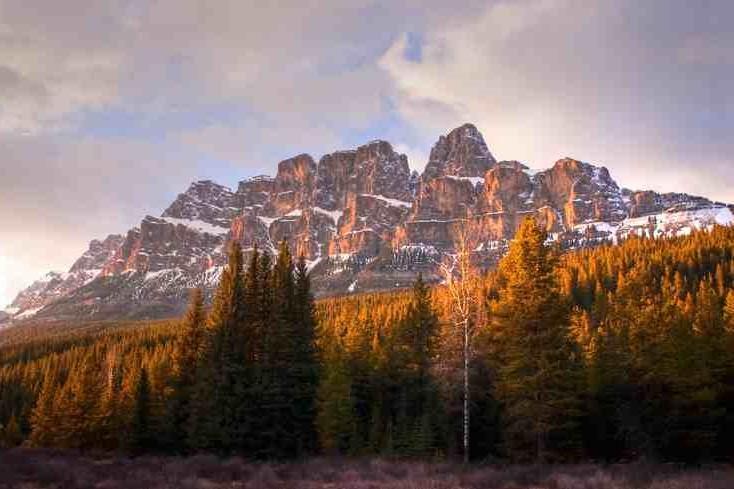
x=108, y=109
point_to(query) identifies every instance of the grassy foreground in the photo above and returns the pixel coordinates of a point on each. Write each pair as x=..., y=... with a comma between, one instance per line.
x=29, y=469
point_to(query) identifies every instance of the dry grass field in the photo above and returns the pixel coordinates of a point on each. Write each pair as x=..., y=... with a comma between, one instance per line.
x=31, y=469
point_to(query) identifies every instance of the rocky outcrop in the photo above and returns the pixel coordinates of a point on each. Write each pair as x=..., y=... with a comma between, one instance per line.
x=55, y=285
x=98, y=254
x=461, y=153
x=254, y=192
x=646, y=202
x=362, y=221
x=293, y=186
x=205, y=201
x=582, y=192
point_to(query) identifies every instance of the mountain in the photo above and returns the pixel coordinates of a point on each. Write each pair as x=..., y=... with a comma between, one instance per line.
x=363, y=222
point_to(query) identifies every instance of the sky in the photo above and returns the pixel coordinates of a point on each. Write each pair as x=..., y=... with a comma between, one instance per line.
x=110, y=108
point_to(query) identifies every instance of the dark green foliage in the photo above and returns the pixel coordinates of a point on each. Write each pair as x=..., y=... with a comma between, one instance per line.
x=185, y=363
x=617, y=353
x=378, y=393
x=141, y=429
x=10, y=434
x=538, y=370
x=305, y=368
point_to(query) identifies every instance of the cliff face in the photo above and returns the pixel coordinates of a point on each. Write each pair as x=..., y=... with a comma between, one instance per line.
x=363, y=222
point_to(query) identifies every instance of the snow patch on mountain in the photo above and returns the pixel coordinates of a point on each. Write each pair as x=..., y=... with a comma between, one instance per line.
x=334, y=215
x=197, y=225
x=389, y=201
x=664, y=224
x=28, y=313
x=473, y=180
x=267, y=221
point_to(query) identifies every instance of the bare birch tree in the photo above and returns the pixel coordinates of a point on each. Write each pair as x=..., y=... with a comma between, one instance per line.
x=461, y=282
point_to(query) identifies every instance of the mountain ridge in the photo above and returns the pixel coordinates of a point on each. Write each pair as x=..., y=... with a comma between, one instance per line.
x=362, y=220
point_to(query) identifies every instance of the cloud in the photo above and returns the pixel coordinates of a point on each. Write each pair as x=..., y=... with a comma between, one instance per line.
x=109, y=108
x=703, y=49
x=56, y=195
x=601, y=81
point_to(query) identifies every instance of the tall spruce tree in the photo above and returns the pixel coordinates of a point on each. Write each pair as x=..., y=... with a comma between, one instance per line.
x=725, y=440
x=80, y=402
x=253, y=320
x=336, y=419
x=10, y=434
x=279, y=438
x=729, y=312
x=141, y=438
x=219, y=389
x=305, y=367
x=45, y=416
x=185, y=360
x=419, y=395
x=538, y=371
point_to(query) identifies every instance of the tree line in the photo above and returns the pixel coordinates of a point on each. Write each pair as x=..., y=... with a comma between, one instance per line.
x=611, y=353
x=239, y=378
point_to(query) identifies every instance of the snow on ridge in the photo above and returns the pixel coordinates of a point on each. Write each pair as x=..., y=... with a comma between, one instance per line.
x=197, y=225
x=725, y=216
x=680, y=223
x=334, y=215
x=158, y=273
x=267, y=221
x=259, y=178
x=28, y=313
x=389, y=201
x=699, y=217
x=93, y=274
x=473, y=180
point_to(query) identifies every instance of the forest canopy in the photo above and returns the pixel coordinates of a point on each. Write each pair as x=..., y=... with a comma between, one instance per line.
x=610, y=353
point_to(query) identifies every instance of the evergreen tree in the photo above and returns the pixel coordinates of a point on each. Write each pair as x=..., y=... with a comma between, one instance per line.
x=336, y=419
x=420, y=394
x=185, y=360
x=279, y=438
x=111, y=405
x=538, y=372
x=45, y=414
x=305, y=368
x=10, y=434
x=219, y=389
x=725, y=438
x=656, y=327
x=79, y=401
x=729, y=312
x=253, y=320
x=141, y=429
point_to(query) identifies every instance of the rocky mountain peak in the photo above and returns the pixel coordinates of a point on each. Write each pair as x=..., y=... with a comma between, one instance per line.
x=581, y=192
x=255, y=191
x=298, y=170
x=293, y=185
x=204, y=201
x=382, y=171
x=98, y=253
x=373, y=168
x=362, y=220
x=461, y=153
